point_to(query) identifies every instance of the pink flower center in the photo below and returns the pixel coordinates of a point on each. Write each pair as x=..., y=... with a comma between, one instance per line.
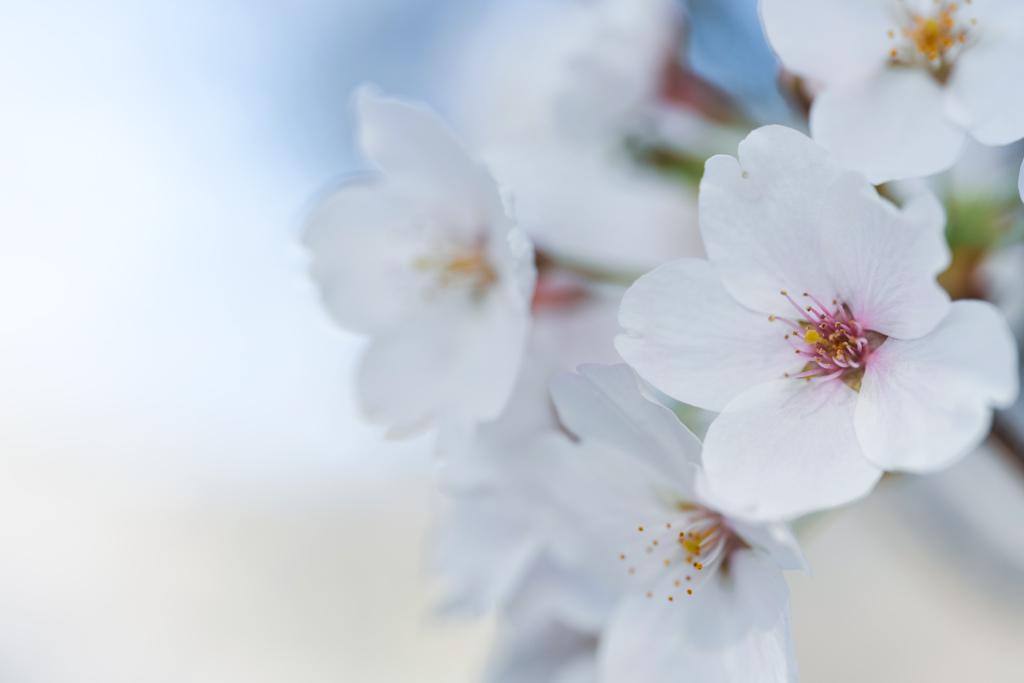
x=831, y=340
x=675, y=558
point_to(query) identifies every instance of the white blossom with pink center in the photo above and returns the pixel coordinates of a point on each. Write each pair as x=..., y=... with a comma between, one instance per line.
x=702, y=592
x=902, y=83
x=876, y=370
x=424, y=257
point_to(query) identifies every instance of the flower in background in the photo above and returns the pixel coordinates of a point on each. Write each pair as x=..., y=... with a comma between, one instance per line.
x=703, y=595
x=903, y=82
x=552, y=95
x=424, y=257
x=818, y=330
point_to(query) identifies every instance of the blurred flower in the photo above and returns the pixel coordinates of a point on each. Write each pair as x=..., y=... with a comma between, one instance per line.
x=425, y=258
x=703, y=592
x=880, y=371
x=905, y=81
x=553, y=94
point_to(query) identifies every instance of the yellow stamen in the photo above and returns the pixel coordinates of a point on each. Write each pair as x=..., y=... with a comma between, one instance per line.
x=934, y=36
x=459, y=266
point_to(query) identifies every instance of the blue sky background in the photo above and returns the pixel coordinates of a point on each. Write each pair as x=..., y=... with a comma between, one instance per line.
x=156, y=160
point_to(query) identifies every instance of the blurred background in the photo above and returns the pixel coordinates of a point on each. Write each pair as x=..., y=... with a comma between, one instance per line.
x=187, y=492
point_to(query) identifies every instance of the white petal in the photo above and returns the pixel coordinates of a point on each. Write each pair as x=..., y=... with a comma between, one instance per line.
x=574, y=202
x=561, y=338
x=594, y=498
x=510, y=253
x=787, y=448
x=926, y=402
x=616, y=69
x=359, y=244
x=1020, y=182
x=607, y=403
x=832, y=41
x=759, y=217
x=483, y=549
x=689, y=338
x=777, y=540
x=1001, y=17
x=411, y=145
x=884, y=260
x=553, y=590
x=450, y=361
x=734, y=627
x=582, y=332
x=888, y=127
x=978, y=84
x=544, y=652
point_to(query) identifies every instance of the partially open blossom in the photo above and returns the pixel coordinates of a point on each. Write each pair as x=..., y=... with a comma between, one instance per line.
x=703, y=597
x=903, y=82
x=816, y=327
x=424, y=257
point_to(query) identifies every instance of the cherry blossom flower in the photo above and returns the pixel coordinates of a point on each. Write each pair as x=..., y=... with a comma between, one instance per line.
x=703, y=592
x=553, y=104
x=424, y=257
x=816, y=327
x=904, y=82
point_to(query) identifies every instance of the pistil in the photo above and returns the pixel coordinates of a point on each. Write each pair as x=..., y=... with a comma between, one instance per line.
x=831, y=340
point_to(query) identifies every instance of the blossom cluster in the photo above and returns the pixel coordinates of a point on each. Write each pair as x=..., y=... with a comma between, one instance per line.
x=620, y=251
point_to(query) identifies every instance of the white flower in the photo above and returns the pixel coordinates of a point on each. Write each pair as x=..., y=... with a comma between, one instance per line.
x=551, y=105
x=704, y=597
x=424, y=258
x=905, y=81
x=819, y=332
